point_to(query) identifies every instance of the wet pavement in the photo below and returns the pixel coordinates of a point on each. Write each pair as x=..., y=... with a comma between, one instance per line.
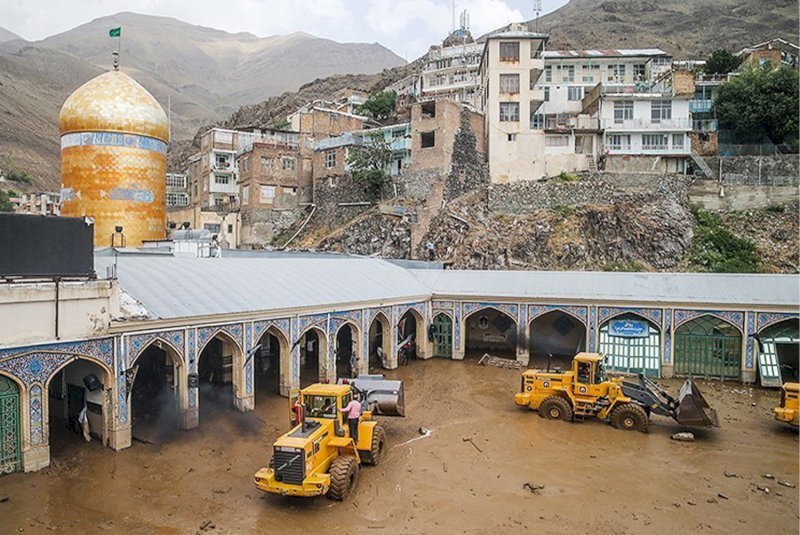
x=487, y=467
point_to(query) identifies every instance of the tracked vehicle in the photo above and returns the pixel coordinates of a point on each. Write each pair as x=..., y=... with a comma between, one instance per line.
x=318, y=456
x=585, y=390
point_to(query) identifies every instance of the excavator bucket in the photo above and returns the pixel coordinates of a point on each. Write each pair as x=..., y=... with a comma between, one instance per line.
x=693, y=409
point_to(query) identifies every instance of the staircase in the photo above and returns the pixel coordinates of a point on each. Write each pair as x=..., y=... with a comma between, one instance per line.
x=592, y=164
x=702, y=165
x=583, y=408
x=433, y=206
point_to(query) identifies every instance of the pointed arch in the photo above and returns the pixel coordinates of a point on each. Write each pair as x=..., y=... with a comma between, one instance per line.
x=284, y=351
x=634, y=354
x=494, y=331
x=321, y=351
x=708, y=345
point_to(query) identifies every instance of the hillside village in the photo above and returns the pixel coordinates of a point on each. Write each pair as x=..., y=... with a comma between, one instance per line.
x=554, y=159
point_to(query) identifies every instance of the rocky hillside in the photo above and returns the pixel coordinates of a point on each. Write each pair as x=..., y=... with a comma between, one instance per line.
x=684, y=29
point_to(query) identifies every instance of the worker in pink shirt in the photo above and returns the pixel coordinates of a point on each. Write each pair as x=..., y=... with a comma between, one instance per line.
x=353, y=412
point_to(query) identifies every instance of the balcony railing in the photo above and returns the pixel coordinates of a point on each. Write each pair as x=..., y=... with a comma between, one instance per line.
x=571, y=123
x=648, y=124
x=699, y=105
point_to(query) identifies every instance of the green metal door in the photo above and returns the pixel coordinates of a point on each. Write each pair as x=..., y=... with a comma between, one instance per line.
x=10, y=460
x=641, y=354
x=442, y=336
x=708, y=347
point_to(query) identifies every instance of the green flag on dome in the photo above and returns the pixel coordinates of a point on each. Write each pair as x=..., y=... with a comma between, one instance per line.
x=115, y=32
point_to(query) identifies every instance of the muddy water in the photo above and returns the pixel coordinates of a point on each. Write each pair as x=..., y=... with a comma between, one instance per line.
x=594, y=477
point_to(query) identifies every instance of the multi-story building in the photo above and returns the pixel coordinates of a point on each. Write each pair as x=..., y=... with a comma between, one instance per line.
x=511, y=65
x=330, y=154
x=777, y=51
x=322, y=118
x=451, y=70
x=271, y=181
x=42, y=202
x=434, y=126
x=177, y=191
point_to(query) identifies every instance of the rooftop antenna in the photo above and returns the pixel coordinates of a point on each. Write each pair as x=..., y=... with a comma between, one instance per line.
x=454, y=17
x=537, y=8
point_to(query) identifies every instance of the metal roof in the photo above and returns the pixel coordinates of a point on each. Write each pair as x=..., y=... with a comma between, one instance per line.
x=179, y=287
x=691, y=288
x=616, y=53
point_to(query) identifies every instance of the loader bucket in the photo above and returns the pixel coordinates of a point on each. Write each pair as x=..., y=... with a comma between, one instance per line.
x=384, y=397
x=693, y=409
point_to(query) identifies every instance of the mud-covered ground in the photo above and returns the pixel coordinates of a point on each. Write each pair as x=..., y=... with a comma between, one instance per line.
x=592, y=477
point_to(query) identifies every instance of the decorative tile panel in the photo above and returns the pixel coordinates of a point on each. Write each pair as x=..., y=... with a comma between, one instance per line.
x=606, y=313
x=734, y=318
x=749, y=355
x=234, y=330
x=765, y=319
x=510, y=309
x=667, y=334
x=36, y=417
x=580, y=313
x=592, y=329
x=139, y=342
x=101, y=349
x=260, y=327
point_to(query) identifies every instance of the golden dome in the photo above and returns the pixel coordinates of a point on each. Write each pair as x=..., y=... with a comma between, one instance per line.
x=114, y=102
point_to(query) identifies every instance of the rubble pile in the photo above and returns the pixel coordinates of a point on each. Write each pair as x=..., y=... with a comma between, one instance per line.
x=774, y=231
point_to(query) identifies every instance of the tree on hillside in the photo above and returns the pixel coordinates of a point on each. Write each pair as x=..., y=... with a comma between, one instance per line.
x=368, y=163
x=379, y=105
x=5, y=201
x=762, y=101
x=721, y=62
x=281, y=124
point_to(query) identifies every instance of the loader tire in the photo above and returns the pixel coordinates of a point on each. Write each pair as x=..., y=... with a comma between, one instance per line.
x=630, y=417
x=344, y=477
x=555, y=408
x=378, y=445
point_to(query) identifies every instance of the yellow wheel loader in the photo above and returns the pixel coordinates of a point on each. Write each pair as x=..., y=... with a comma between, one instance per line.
x=789, y=409
x=587, y=391
x=318, y=456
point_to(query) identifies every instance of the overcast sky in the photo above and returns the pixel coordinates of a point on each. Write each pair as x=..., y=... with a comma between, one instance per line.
x=407, y=27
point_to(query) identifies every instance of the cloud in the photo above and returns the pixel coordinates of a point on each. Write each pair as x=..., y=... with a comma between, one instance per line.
x=408, y=27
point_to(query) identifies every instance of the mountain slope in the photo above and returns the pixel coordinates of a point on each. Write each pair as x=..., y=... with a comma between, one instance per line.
x=684, y=29
x=7, y=35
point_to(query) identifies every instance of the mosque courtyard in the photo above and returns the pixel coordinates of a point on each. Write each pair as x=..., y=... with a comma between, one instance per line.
x=517, y=472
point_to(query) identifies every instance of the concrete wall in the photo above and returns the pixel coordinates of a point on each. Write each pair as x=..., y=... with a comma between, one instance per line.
x=705, y=194
x=783, y=168
x=643, y=164
x=28, y=311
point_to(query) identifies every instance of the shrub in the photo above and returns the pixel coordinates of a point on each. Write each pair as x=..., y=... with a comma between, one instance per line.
x=566, y=177
x=563, y=210
x=716, y=249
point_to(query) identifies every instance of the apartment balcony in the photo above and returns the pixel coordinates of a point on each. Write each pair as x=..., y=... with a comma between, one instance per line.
x=648, y=150
x=699, y=105
x=612, y=125
x=401, y=144
x=569, y=124
x=222, y=208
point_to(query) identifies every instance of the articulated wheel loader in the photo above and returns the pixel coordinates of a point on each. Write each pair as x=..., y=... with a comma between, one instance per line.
x=789, y=410
x=318, y=456
x=587, y=391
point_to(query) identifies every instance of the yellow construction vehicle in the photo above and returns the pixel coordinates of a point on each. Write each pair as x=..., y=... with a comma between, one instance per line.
x=587, y=391
x=318, y=456
x=789, y=409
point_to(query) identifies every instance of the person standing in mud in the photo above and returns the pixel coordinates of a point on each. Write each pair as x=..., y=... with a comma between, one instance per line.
x=353, y=412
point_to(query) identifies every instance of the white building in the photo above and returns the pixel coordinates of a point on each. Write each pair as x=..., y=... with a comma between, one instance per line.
x=510, y=69
x=451, y=70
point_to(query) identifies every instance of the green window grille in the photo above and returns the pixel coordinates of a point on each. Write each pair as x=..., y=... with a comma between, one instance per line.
x=10, y=459
x=709, y=347
x=442, y=336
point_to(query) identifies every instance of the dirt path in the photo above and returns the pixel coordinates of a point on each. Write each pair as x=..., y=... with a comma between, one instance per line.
x=593, y=476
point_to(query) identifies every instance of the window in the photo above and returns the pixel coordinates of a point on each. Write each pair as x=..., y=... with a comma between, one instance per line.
x=427, y=139
x=195, y=189
x=556, y=141
x=660, y=110
x=176, y=181
x=245, y=163
x=547, y=94
x=266, y=163
x=509, y=112
x=231, y=199
x=677, y=141
x=245, y=194
x=222, y=161
x=230, y=229
x=177, y=199
x=623, y=111
x=509, y=51
x=548, y=73
x=568, y=73
x=616, y=73
x=222, y=179
x=330, y=159
x=267, y=193
x=639, y=72
x=574, y=93
x=288, y=164
x=655, y=142
x=286, y=190
x=509, y=83
x=212, y=228
x=428, y=110
x=619, y=142
x=512, y=137
x=537, y=121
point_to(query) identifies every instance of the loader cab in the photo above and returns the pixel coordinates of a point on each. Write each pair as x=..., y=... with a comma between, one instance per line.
x=589, y=374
